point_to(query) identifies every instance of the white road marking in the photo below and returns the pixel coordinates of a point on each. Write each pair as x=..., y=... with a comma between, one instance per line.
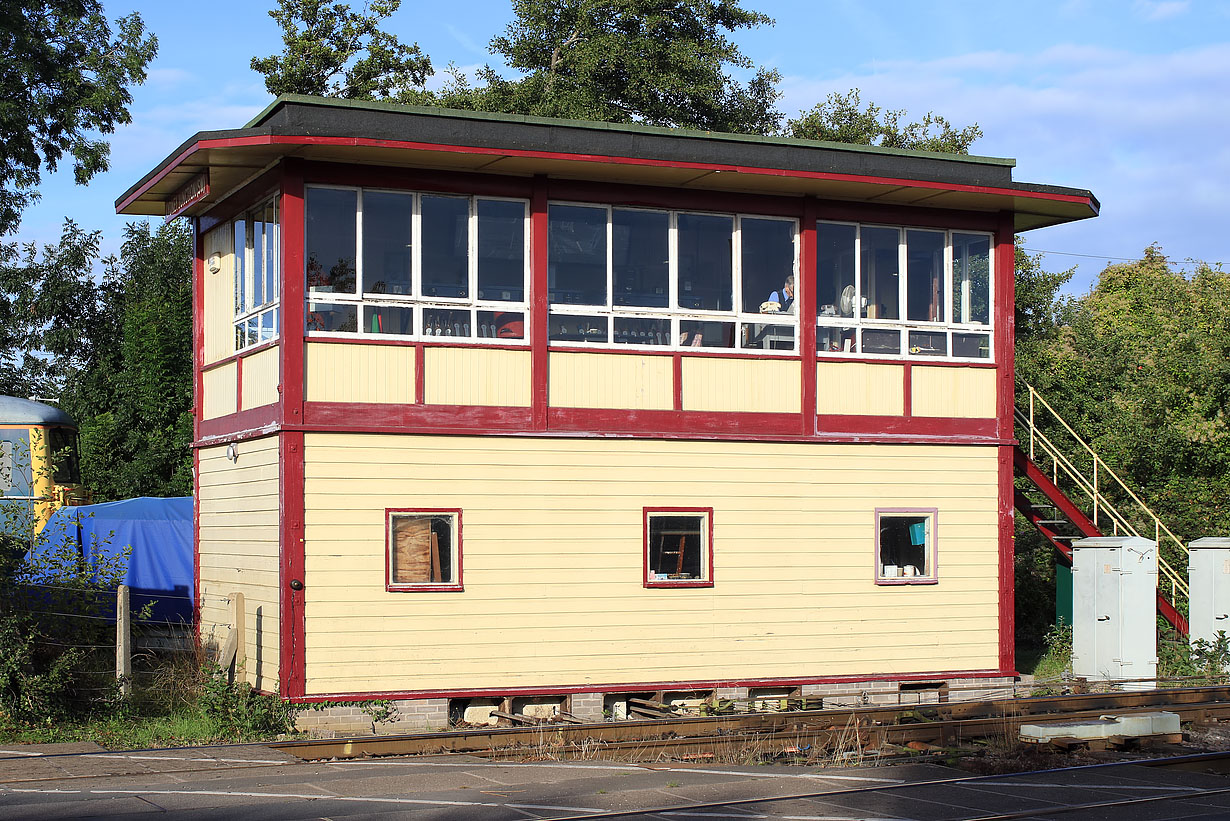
x=615, y=767
x=184, y=758
x=20, y=752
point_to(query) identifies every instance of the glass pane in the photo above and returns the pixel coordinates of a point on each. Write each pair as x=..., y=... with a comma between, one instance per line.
x=767, y=259
x=445, y=322
x=331, y=240
x=629, y=331
x=446, y=246
x=576, y=255
x=241, y=243
x=389, y=319
x=387, y=221
x=971, y=278
x=258, y=263
x=268, y=330
x=564, y=328
x=706, y=278
x=705, y=334
x=501, y=324
x=325, y=316
x=971, y=346
x=836, y=340
x=67, y=470
x=422, y=548
x=928, y=343
x=640, y=248
x=904, y=546
x=835, y=269
x=501, y=251
x=676, y=548
x=880, y=267
x=252, y=330
x=880, y=341
x=272, y=261
x=768, y=337
x=924, y=286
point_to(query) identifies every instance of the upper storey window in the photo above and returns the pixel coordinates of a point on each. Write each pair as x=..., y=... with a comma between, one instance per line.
x=670, y=279
x=257, y=275
x=889, y=291
x=416, y=264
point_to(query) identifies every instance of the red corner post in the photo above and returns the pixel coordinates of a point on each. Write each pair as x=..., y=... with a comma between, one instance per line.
x=1005, y=339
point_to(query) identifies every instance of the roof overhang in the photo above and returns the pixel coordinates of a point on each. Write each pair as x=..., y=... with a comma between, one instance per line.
x=441, y=139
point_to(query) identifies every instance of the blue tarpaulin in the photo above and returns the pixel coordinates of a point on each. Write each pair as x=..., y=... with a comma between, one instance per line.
x=160, y=533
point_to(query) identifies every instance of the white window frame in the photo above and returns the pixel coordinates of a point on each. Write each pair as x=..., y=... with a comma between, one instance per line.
x=896, y=575
x=739, y=316
x=245, y=270
x=416, y=301
x=949, y=326
x=454, y=584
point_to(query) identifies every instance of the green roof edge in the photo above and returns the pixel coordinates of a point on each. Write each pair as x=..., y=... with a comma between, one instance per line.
x=631, y=128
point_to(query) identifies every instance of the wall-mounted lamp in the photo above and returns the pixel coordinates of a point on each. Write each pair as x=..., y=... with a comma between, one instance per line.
x=214, y=263
x=232, y=452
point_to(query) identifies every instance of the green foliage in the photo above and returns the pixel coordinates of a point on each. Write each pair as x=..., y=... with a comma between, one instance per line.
x=842, y=118
x=237, y=711
x=622, y=61
x=1056, y=662
x=66, y=79
x=331, y=51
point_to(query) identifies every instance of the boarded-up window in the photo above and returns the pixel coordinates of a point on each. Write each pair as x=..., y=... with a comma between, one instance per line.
x=424, y=549
x=905, y=546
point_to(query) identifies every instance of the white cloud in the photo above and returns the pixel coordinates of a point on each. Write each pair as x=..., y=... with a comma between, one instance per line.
x=1156, y=10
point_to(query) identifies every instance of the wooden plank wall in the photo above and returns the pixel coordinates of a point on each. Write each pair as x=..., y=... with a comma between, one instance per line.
x=860, y=388
x=220, y=388
x=219, y=309
x=954, y=392
x=476, y=376
x=239, y=513
x=260, y=379
x=552, y=556
x=603, y=380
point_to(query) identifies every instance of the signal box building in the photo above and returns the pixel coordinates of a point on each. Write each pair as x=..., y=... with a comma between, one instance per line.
x=498, y=407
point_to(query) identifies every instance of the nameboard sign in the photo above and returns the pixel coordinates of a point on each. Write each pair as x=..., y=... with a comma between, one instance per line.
x=195, y=190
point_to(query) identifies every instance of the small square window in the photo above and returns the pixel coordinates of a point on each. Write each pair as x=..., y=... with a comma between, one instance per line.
x=424, y=550
x=678, y=547
x=905, y=546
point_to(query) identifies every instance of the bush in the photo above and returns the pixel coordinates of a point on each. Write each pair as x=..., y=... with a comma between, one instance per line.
x=237, y=711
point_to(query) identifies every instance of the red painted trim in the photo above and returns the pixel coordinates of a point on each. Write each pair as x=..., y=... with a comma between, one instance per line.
x=933, y=552
x=424, y=587
x=940, y=426
x=907, y=388
x=239, y=384
x=364, y=142
x=1004, y=339
x=649, y=686
x=196, y=548
x=420, y=374
x=292, y=214
x=1007, y=563
x=930, y=363
x=539, y=308
x=697, y=353
x=255, y=349
x=198, y=326
x=458, y=420
x=677, y=381
x=291, y=664
x=646, y=581
x=805, y=299
x=647, y=423
x=262, y=420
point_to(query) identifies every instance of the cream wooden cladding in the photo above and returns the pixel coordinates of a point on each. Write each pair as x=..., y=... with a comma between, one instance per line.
x=737, y=384
x=340, y=372
x=220, y=391
x=602, y=380
x=954, y=392
x=218, y=312
x=238, y=507
x=260, y=379
x=860, y=388
x=553, y=569
x=476, y=376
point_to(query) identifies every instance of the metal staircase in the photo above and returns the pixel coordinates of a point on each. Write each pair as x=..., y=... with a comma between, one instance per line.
x=1048, y=504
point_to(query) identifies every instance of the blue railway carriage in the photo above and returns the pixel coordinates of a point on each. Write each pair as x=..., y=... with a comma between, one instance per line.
x=39, y=468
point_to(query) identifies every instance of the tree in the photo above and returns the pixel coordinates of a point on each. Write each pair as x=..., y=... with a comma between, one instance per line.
x=841, y=118
x=63, y=77
x=331, y=51
x=645, y=61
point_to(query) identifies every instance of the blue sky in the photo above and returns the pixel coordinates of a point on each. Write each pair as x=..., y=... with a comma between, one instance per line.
x=1129, y=99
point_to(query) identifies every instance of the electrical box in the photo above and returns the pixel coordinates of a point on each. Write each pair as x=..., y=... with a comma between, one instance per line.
x=1114, y=610
x=1208, y=575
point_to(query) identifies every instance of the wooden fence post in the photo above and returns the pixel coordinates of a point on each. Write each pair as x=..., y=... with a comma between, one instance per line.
x=123, y=640
x=235, y=648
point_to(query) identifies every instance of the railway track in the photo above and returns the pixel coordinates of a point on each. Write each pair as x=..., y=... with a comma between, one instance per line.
x=817, y=730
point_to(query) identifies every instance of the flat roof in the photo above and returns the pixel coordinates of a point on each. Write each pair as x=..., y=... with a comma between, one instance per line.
x=374, y=133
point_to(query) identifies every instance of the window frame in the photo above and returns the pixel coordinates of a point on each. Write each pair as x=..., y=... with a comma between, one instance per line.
x=949, y=326
x=931, y=551
x=391, y=586
x=244, y=275
x=416, y=301
x=706, y=546
x=740, y=316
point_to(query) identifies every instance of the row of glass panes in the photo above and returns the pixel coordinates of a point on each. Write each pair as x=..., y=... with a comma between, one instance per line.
x=889, y=341
x=406, y=320
x=669, y=331
x=257, y=275
x=256, y=328
x=859, y=275
x=403, y=245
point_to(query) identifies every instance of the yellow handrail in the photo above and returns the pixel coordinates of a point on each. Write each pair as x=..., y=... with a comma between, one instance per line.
x=1060, y=462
